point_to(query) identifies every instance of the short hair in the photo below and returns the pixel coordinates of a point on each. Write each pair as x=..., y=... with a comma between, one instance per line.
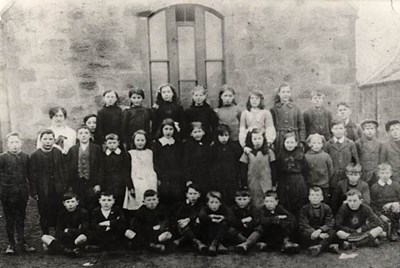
x=391, y=123
x=354, y=192
x=106, y=193
x=136, y=91
x=353, y=167
x=69, y=195
x=83, y=127
x=139, y=132
x=317, y=93
x=315, y=136
x=224, y=88
x=384, y=166
x=13, y=134
x=337, y=121
x=259, y=95
x=222, y=128
x=315, y=189
x=54, y=110
x=149, y=193
x=46, y=132
x=111, y=136
x=242, y=192
x=345, y=104
x=271, y=193
x=191, y=185
x=195, y=124
x=86, y=118
x=213, y=194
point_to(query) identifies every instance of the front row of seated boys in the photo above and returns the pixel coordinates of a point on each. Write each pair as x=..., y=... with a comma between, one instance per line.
x=210, y=228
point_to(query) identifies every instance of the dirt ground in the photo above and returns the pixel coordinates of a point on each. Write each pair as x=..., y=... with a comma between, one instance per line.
x=387, y=255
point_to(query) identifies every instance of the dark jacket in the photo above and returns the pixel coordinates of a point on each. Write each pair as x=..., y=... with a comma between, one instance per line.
x=204, y=114
x=77, y=223
x=109, y=120
x=117, y=173
x=369, y=153
x=308, y=221
x=349, y=220
x=318, y=121
x=391, y=154
x=133, y=119
x=14, y=176
x=268, y=218
x=339, y=194
x=116, y=218
x=241, y=213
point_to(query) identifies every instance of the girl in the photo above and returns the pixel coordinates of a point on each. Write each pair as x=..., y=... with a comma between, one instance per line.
x=142, y=172
x=196, y=157
x=227, y=112
x=167, y=106
x=287, y=117
x=291, y=167
x=201, y=111
x=91, y=122
x=109, y=118
x=225, y=164
x=167, y=163
x=258, y=161
x=135, y=118
x=256, y=117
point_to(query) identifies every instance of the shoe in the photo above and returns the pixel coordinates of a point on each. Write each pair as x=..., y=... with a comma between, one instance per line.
x=290, y=247
x=314, y=250
x=73, y=253
x=25, y=247
x=222, y=249
x=241, y=248
x=212, y=249
x=178, y=242
x=200, y=246
x=347, y=245
x=334, y=248
x=374, y=243
x=160, y=248
x=393, y=237
x=261, y=246
x=45, y=247
x=10, y=250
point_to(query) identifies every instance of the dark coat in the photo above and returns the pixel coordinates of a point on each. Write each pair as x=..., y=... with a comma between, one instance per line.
x=167, y=110
x=339, y=194
x=204, y=114
x=109, y=120
x=116, y=218
x=133, y=119
x=350, y=220
x=117, y=173
x=318, y=121
x=77, y=223
x=14, y=176
x=308, y=221
x=369, y=153
x=353, y=132
x=241, y=213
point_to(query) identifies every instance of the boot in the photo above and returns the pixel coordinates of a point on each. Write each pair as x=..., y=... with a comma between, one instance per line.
x=314, y=250
x=212, y=249
x=200, y=246
x=365, y=241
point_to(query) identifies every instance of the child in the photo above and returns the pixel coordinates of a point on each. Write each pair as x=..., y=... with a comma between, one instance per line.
x=85, y=165
x=320, y=165
x=353, y=132
x=91, y=122
x=259, y=175
x=167, y=106
x=369, y=150
x=107, y=223
x=291, y=167
x=353, y=174
x=278, y=225
x=117, y=168
x=151, y=223
x=214, y=220
x=391, y=149
x=341, y=150
x=135, y=118
x=318, y=119
x=256, y=117
x=143, y=175
x=385, y=197
x=14, y=192
x=287, y=117
x=228, y=112
x=168, y=163
x=71, y=230
x=356, y=223
x=196, y=158
x=201, y=111
x=316, y=224
x=245, y=227
x=225, y=164
x=109, y=118
x=183, y=219
x=48, y=179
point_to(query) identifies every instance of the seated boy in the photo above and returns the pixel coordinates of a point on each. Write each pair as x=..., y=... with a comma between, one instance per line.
x=353, y=174
x=390, y=152
x=356, y=224
x=316, y=224
x=277, y=224
x=385, y=197
x=245, y=227
x=71, y=230
x=151, y=223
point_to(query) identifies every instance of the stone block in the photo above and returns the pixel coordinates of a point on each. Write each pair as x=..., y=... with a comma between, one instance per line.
x=88, y=85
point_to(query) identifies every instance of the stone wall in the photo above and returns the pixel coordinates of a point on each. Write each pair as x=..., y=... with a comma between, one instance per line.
x=68, y=52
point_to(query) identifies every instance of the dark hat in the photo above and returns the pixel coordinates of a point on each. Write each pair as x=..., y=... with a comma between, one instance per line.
x=390, y=123
x=369, y=121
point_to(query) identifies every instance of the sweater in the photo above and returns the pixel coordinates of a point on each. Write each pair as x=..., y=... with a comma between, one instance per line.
x=381, y=195
x=318, y=121
x=339, y=194
x=13, y=176
x=320, y=168
x=309, y=221
x=77, y=222
x=349, y=220
x=230, y=116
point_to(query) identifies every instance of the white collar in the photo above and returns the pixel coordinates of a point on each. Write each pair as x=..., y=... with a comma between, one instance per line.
x=341, y=140
x=382, y=183
x=346, y=122
x=166, y=141
x=117, y=151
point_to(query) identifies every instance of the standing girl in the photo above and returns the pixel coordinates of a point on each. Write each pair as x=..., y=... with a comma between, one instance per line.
x=167, y=106
x=227, y=112
x=135, y=118
x=201, y=111
x=258, y=160
x=287, y=117
x=109, y=118
x=142, y=172
x=167, y=163
x=292, y=167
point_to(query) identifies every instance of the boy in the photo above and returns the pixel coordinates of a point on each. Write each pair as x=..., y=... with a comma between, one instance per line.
x=353, y=132
x=85, y=166
x=316, y=224
x=245, y=227
x=278, y=225
x=391, y=149
x=14, y=192
x=117, y=167
x=71, y=231
x=151, y=223
x=385, y=198
x=369, y=150
x=318, y=119
x=353, y=174
x=356, y=223
x=341, y=150
x=48, y=179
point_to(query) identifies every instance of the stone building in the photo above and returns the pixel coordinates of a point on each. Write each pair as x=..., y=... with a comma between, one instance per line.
x=68, y=52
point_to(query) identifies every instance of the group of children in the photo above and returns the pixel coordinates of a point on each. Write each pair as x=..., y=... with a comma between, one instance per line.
x=163, y=177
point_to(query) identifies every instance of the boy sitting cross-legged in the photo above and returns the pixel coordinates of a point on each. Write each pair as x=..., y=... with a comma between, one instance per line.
x=316, y=224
